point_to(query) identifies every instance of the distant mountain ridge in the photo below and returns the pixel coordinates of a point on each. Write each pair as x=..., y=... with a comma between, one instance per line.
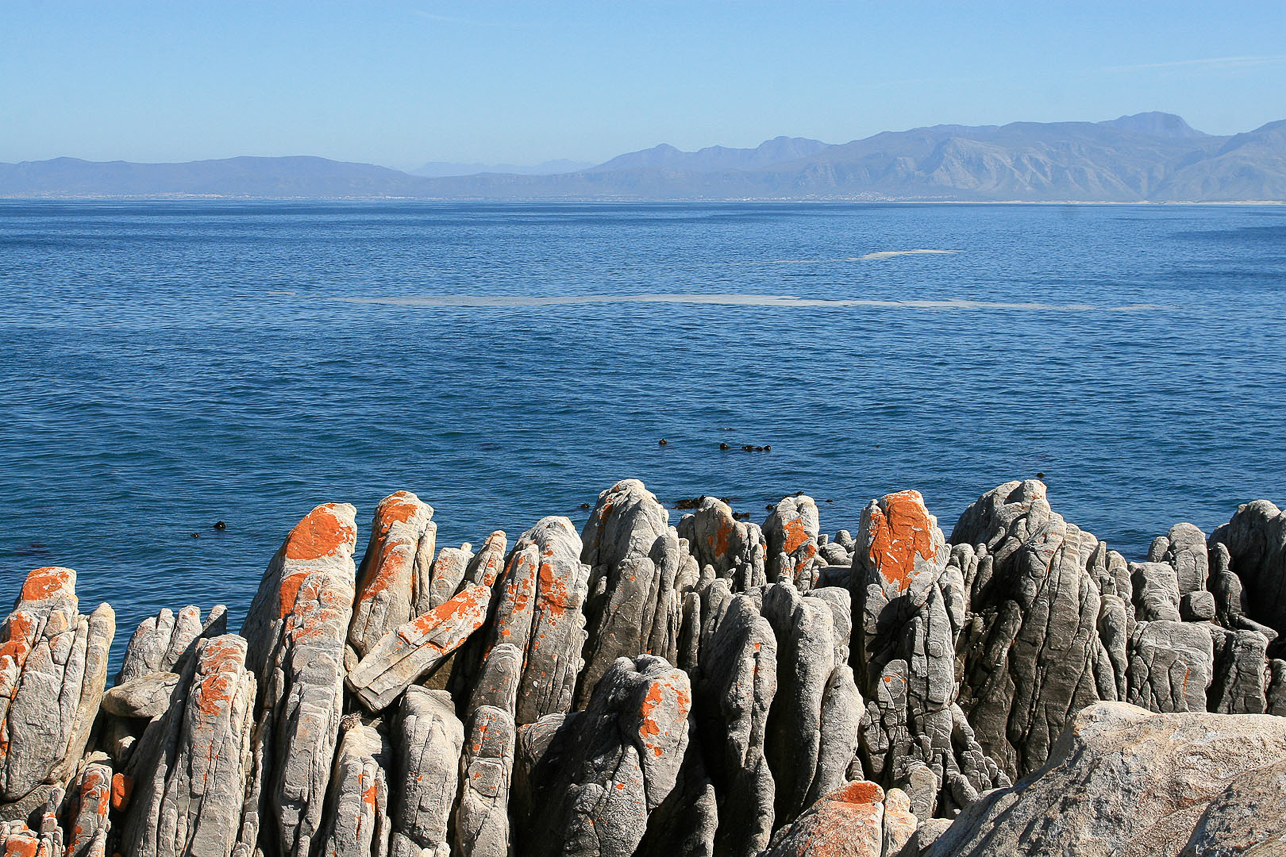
x=1148, y=157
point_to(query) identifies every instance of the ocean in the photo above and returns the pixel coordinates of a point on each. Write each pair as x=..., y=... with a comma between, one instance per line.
x=167, y=365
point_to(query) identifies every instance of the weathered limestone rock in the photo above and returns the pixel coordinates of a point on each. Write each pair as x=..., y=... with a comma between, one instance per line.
x=1156, y=591
x=1171, y=665
x=88, y=802
x=486, y=771
x=428, y=740
x=146, y=696
x=296, y=630
x=1184, y=549
x=417, y=647
x=539, y=612
x=191, y=767
x=804, y=628
x=608, y=768
x=357, y=806
x=791, y=533
x=1030, y=647
x=1122, y=780
x=736, y=550
x=1240, y=666
x=393, y=581
x=733, y=689
x=848, y=821
x=909, y=590
x=634, y=557
x=1255, y=538
x=53, y=666
x=161, y=640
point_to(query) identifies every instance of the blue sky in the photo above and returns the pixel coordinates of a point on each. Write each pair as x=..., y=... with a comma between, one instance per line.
x=401, y=83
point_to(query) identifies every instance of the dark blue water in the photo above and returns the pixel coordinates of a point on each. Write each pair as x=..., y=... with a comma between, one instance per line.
x=167, y=365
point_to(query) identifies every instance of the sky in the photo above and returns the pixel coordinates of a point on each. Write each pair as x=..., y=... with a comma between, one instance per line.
x=404, y=83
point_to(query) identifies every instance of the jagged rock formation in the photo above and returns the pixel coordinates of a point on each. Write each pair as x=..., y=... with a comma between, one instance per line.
x=710, y=689
x=1122, y=780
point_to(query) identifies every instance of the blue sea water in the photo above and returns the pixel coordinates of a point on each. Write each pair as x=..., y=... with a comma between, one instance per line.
x=164, y=365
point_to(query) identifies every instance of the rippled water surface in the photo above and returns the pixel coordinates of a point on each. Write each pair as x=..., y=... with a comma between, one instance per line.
x=165, y=365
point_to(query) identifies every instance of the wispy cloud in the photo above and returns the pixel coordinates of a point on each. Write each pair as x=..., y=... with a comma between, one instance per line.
x=1211, y=63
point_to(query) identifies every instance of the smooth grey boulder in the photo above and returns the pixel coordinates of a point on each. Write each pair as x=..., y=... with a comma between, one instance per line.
x=497, y=684
x=427, y=742
x=604, y=771
x=632, y=606
x=733, y=691
x=145, y=697
x=192, y=765
x=1197, y=607
x=357, y=805
x=1171, y=666
x=394, y=579
x=295, y=631
x=1255, y=539
x=1031, y=652
x=486, y=773
x=1123, y=780
x=736, y=550
x=791, y=533
x=53, y=667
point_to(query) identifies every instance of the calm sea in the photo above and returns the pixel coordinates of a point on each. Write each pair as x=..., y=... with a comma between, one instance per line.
x=167, y=365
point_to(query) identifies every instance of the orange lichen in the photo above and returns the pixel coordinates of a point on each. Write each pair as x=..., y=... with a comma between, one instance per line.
x=397, y=508
x=860, y=791
x=21, y=845
x=795, y=534
x=122, y=790
x=899, y=532
x=395, y=565
x=319, y=535
x=47, y=582
x=221, y=663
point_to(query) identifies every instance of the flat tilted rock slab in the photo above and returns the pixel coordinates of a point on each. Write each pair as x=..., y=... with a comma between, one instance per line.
x=1124, y=781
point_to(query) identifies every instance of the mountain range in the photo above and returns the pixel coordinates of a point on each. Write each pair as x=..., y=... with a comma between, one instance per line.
x=1148, y=157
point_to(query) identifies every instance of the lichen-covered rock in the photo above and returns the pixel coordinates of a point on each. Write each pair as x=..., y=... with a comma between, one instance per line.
x=417, y=647
x=632, y=606
x=1255, y=539
x=791, y=534
x=191, y=768
x=1123, y=780
x=487, y=564
x=1030, y=647
x=733, y=689
x=486, y=772
x=848, y=822
x=296, y=630
x=446, y=575
x=605, y=770
x=53, y=666
x=1171, y=665
x=393, y=581
x=88, y=806
x=736, y=550
x=357, y=806
x=427, y=741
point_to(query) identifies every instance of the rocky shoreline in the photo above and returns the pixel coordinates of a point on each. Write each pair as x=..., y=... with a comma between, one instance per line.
x=716, y=688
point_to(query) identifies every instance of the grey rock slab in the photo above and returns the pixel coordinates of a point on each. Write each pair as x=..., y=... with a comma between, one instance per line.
x=146, y=696
x=394, y=576
x=736, y=550
x=1240, y=672
x=791, y=533
x=1123, y=780
x=53, y=667
x=486, y=774
x=296, y=630
x=357, y=806
x=1156, y=591
x=191, y=770
x=1171, y=666
x=427, y=741
x=1255, y=539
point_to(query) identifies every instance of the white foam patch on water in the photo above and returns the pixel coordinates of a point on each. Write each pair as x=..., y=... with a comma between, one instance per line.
x=785, y=301
x=869, y=257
